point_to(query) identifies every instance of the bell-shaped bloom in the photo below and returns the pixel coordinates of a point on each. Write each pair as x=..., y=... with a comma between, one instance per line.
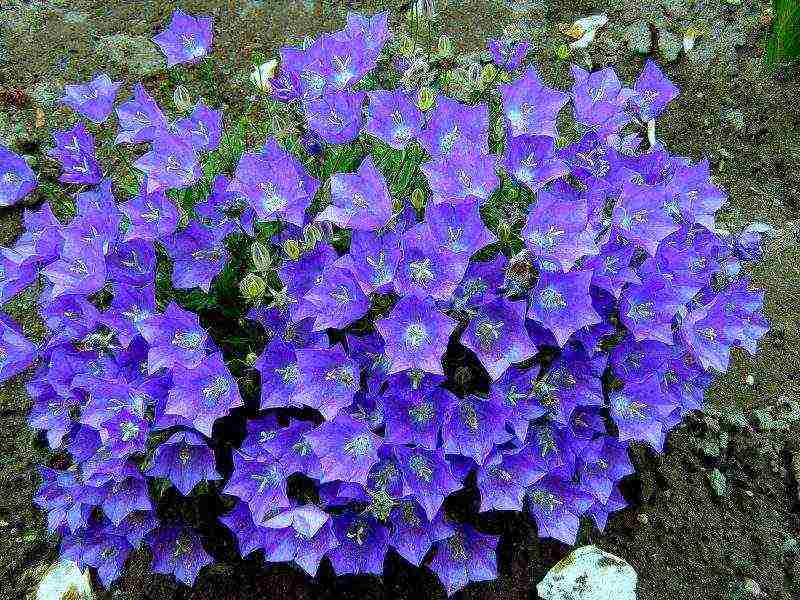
x=374, y=258
x=453, y=128
x=427, y=476
x=303, y=535
x=557, y=229
x=561, y=303
x=171, y=164
x=506, y=54
x=177, y=550
x=532, y=161
x=416, y=335
x=530, y=107
x=202, y=129
x=363, y=543
x=203, y=393
x=336, y=299
x=288, y=444
x=600, y=101
x=187, y=39
x=497, y=336
x=185, y=460
x=643, y=412
x=359, y=200
x=458, y=228
x=648, y=310
x=557, y=506
x=260, y=482
x=336, y=117
x=80, y=270
x=653, y=92
x=197, y=255
x=461, y=176
x=412, y=535
x=416, y=415
x=502, y=479
x=125, y=494
x=149, y=216
x=17, y=179
x=74, y=149
x=132, y=263
x=473, y=427
x=612, y=267
x=249, y=536
x=176, y=338
x=347, y=449
x=467, y=555
x=276, y=186
x=93, y=99
x=16, y=352
x=427, y=270
x=328, y=379
x=393, y=117
x=602, y=464
x=140, y=118
x=640, y=216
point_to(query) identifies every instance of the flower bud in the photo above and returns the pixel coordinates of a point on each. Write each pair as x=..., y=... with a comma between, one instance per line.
x=488, y=75
x=252, y=287
x=418, y=199
x=445, y=46
x=292, y=249
x=250, y=359
x=311, y=235
x=262, y=75
x=182, y=99
x=562, y=52
x=261, y=258
x=407, y=46
x=425, y=99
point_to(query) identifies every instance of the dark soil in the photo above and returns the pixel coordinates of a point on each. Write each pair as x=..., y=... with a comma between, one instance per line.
x=682, y=538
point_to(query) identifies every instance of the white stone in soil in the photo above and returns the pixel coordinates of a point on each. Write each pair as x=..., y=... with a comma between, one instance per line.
x=64, y=580
x=589, y=574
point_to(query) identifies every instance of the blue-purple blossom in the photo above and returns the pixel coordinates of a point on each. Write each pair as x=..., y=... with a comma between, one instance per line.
x=187, y=39
x=530, y=107
x=93, y=99
x=75, y=151
x=17, y=179
x=393, y=117
x=140, y=118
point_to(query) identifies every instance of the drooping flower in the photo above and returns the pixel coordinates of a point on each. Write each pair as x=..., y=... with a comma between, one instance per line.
x=16, y=352
x=17, y=179
x=427, y=476
x=303, y=535
x=363, y=543
x=557, y=506
x=416, y=335
x=360, y=200
x=393, y=117
x=185, y=460
x=187, y=39
x=93, y=99
x=530, y=107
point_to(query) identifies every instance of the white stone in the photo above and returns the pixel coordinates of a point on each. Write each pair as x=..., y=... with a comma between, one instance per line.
x=63, y=581
x=589, y=574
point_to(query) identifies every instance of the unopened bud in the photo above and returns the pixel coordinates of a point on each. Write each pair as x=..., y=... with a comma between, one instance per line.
x=488, y=75
x=418, y=199
x=311, y=235
x=562, y=52
x=262, y=75
x=445, y=46
x=251, y=359
x=261, y=258
x=425, y=99
x=407, y=47
x=182, y=99
x=252, y=287
x=292, y=249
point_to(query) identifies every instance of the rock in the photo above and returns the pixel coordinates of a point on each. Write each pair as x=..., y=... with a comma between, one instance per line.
x=736, y=118
x=46, y=92
x=752, y=589
x=75, y=17
x=638, y=37
x=589, y=574
x=718, y=483
x=64, y=581
x=669, y=44
x=136, y=53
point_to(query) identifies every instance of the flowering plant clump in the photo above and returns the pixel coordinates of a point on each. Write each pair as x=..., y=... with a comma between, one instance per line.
x=413, y=333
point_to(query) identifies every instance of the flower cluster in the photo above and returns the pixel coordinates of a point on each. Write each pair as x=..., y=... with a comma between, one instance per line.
x=411, y=352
